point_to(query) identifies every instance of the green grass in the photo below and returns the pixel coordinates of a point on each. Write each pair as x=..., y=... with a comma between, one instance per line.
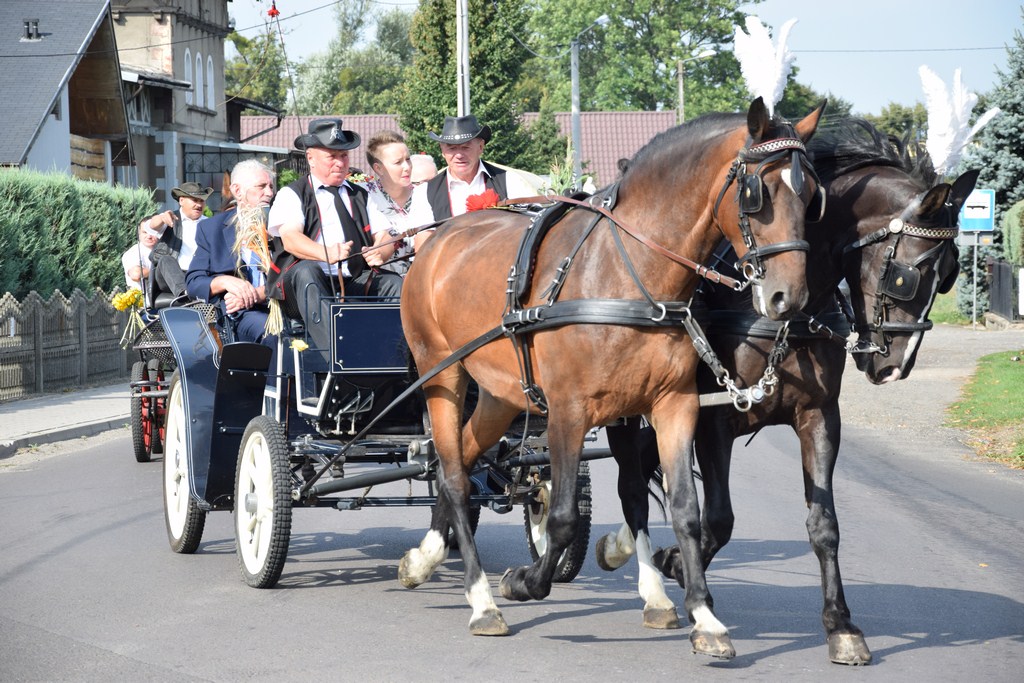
x=945, y=311
x=992, y=408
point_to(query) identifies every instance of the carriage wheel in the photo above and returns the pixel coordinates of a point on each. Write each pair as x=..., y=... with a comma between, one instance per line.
x=536, y=520
x=139, y=424
x=185, y=521
x=156, y=410
x=263, y=502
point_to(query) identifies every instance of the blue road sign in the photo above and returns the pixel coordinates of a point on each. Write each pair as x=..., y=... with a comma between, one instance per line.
x=978, y=212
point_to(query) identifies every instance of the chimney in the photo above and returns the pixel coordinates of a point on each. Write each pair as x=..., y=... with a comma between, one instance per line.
x=31, y=30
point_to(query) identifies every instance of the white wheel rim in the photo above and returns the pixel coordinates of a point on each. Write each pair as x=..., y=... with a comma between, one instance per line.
x=254, y=503
x=176, y=494
x=539, y=520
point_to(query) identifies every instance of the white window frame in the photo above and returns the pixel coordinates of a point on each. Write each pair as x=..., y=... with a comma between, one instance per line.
x=199, y=79
x=188, y=75
x=211, y=100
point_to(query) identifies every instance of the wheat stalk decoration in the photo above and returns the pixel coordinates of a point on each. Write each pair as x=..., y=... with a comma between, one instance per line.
x=251, y=233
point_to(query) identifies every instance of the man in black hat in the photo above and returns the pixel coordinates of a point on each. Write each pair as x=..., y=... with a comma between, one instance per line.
x=462, y=145
x=323, y=227
x=172, y=255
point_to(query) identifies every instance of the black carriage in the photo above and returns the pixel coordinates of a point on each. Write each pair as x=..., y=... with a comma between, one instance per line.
x=151, y=376
x=260, y=442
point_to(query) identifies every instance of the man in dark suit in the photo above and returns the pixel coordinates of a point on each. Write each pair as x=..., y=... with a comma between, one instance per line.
x=323, y=228
x=172, y=256
x=223, y=270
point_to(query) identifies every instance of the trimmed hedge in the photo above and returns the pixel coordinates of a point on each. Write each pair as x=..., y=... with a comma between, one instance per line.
x=57, y=232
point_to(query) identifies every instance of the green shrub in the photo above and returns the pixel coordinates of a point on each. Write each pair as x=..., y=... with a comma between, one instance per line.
x=57, y=232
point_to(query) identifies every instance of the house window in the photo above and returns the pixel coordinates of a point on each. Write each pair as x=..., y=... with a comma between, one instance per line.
x=188, y=74
x=199, y=79
x=211, y=102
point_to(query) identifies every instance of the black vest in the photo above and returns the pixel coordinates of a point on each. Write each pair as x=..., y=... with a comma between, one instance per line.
x=283, y=260
x=437, y=189
x=172, y=235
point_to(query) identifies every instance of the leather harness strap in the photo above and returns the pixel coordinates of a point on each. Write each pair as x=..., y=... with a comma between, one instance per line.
x=701, y=270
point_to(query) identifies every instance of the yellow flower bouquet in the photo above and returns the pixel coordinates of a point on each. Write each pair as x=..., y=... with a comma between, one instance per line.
x=130, y=301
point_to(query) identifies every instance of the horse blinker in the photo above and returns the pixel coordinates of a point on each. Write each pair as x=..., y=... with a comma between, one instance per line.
x=750, y=190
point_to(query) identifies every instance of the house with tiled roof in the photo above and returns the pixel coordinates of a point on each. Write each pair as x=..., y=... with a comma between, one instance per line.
x=606, y=136
x=60, y=80
x=184, y=126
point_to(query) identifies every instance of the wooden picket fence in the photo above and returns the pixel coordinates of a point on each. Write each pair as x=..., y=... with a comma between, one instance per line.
x=61, y=343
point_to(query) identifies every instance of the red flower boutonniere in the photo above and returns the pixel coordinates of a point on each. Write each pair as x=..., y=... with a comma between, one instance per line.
x=488, y=199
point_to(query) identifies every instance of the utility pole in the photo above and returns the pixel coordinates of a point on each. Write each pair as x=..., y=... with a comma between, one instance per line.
x=462, y=55
x=574, y=75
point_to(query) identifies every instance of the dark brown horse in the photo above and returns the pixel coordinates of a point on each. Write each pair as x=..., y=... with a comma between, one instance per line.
x=889, y=230
x=673, y=201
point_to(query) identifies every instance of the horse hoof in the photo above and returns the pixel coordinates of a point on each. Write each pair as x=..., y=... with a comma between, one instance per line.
x=505, y=586
x=718, y=646
x=665, y=619
x=599, y=555
x=490, y=623
x=849, y=649
x=404, y=575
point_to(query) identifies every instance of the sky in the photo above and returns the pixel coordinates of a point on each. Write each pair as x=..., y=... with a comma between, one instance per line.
x=866, y=51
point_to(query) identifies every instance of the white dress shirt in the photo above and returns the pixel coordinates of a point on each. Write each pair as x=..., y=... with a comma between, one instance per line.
x=188, y=242
x=421, y=213
x=287, y=208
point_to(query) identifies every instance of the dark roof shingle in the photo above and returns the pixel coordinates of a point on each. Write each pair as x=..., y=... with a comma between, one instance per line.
x=32, y=72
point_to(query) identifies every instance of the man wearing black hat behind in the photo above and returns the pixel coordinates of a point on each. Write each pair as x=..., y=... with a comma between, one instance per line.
x=462, y=145
x=172, y=256
x=322, y=221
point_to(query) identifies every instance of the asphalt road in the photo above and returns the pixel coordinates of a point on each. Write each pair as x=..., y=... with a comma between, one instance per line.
x=89, y=590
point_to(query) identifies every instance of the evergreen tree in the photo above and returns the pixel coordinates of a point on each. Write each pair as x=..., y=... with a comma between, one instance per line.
x=1000, y=155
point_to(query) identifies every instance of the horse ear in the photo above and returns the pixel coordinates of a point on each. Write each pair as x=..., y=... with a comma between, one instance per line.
x=758, y=119
x=962, y=188
x=934, y=199
x=805, y=129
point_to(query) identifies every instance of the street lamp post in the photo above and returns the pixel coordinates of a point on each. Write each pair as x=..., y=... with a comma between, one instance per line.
x=680, y=111
x=574, y=71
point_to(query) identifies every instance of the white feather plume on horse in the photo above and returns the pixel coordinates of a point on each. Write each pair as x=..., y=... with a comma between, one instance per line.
x=949, y=113
x=765, y=67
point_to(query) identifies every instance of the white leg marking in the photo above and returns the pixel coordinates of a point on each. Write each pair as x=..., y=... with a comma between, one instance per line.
x=706, y=622
x=480, y=598
x=422, y=561
x=652, y=588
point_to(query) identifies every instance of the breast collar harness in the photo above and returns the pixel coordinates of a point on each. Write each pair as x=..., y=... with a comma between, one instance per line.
x=750, y=196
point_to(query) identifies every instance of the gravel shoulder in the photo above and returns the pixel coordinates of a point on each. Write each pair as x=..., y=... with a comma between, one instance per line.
x=914, y=408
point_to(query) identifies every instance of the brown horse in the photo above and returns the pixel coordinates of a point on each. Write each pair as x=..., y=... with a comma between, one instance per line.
x=888, y=229
x=616, y=363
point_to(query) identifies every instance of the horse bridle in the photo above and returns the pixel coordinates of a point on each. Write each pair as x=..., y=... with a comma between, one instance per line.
x=899, y=281
x=750, y=196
